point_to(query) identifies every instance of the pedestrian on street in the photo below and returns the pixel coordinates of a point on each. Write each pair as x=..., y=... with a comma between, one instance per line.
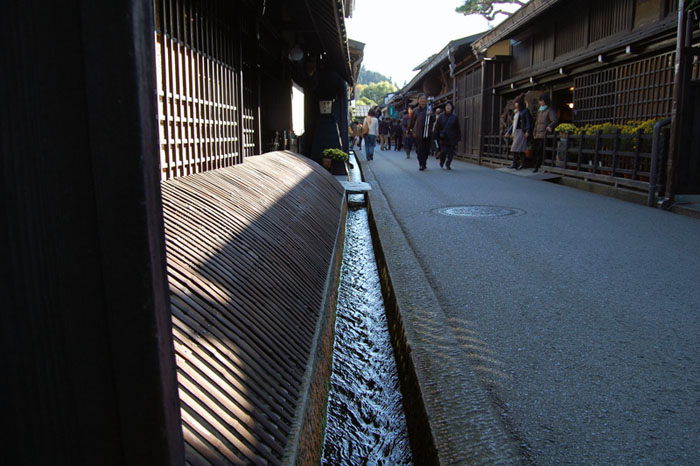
x=547, y=120
x=407, y=137
x=358, y=135
x=383, y=133
x=421, y=126
x=396, y=133
x=520, y=132
x=370, y=130
x=449, y=134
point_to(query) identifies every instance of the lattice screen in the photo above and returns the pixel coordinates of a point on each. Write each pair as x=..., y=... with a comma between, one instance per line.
x=207, y=103
x=635, y=91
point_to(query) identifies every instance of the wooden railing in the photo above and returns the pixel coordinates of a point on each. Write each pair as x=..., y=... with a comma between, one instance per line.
x=619, y=159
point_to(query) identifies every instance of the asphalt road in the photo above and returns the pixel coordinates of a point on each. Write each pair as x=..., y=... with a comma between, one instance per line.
x=580, y=314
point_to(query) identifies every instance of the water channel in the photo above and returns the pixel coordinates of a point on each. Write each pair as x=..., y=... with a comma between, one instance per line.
x=365, y=422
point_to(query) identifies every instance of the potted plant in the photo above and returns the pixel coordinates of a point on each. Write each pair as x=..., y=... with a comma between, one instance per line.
x=334, y=160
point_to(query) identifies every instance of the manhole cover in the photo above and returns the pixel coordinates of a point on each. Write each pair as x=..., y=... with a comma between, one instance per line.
x=479, y=211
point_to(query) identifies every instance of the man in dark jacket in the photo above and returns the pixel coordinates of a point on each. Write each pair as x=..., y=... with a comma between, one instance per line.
x=447, y=130
x=420, y=127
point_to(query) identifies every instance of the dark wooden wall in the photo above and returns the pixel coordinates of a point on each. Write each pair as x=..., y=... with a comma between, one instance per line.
x=468, y=97
x=558, y=34
x=87, y=357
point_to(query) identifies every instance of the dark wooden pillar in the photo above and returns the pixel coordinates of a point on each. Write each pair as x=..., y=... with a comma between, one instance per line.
x=87, y=353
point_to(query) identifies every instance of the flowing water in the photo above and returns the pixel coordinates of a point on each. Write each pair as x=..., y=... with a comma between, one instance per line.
x=366, y=422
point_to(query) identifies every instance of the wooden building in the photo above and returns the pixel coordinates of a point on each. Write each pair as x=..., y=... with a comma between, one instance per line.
x=449, y=75
x=600, y=60
x=224, y=89
x=103, y=102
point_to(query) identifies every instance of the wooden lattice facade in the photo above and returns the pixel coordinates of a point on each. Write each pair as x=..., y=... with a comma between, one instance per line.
x=207, y=91
x=612, y=62
x=640, y=90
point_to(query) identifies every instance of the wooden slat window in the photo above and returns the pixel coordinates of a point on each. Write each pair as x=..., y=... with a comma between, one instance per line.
x=570, y=34
x=543, y=47
x=522, y=56
x=609, y=17
x=200, y=77
x=634, y=91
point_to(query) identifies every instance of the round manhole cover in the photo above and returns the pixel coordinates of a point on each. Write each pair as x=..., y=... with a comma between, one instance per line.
x=476, y=211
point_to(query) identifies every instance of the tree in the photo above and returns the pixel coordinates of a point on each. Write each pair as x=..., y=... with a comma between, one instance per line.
x=368, y=77
x=486, y=8
x=376, y=91
x=365, y=101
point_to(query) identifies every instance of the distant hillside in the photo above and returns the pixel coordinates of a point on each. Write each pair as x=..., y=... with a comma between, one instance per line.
x=369, y=77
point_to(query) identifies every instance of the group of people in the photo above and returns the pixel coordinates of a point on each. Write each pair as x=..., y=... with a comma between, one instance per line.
x=437, y=131
x=432, y=131
x=388, y=131
x=523, y=132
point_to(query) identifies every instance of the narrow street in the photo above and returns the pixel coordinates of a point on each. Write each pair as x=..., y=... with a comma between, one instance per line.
x=578, y=312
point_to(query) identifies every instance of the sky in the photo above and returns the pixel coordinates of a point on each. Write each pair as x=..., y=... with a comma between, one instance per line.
x=400, y=34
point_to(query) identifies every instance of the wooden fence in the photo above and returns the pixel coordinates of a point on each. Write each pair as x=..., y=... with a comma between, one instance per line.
x=620, y=159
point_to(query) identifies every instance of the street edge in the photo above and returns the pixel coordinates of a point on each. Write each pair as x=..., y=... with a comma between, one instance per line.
x=443, y=395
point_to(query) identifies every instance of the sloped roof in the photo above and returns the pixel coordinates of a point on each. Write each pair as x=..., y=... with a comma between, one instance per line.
x=513, y=23
x=440, y=57
x=327, y=17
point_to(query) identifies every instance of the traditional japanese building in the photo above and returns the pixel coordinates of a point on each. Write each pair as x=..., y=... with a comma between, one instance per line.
x=165, y=270
x=436, y=75
x=601, y=61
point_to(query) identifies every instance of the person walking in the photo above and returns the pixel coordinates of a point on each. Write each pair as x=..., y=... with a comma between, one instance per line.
x=421, y=126
x=407, y=137
x=370, y=130
x=396, y=133
x=546, y=121
x=383, y=133
x=358, y=135
x=449, y=134
x=520, y=132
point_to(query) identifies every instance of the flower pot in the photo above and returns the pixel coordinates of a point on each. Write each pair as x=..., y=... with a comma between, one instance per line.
x=338, y=167
x=327, y=163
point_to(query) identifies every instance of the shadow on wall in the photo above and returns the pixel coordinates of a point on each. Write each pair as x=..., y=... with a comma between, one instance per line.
x=248, y=250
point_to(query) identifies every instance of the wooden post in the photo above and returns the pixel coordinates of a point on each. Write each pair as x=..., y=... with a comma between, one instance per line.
x=679, y=85
x=85, y=333
x=637, y=149
x=580, y=151
x=615, y=149
x=596, y=155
